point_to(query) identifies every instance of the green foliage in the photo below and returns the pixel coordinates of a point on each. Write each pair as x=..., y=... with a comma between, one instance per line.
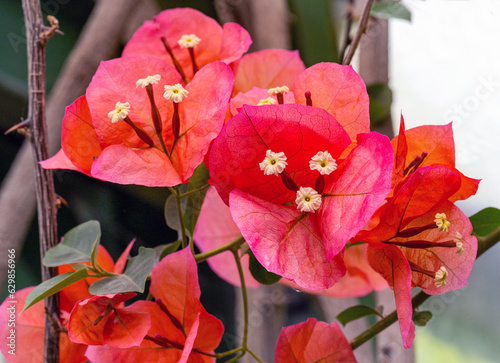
x=133, y=279
x=198, y=188
x=485, y=221
x=54, y=285
x=390, y=9
x=313, y=30
x=380, y=102
x=260, y=273
x=356, y=312
x=170, y=248
x=78, y=245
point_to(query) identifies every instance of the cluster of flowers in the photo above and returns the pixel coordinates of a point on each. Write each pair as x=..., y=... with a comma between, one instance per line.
x=321, y=201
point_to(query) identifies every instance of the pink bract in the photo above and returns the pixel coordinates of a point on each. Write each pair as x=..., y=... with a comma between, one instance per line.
x=114, y=152
x=225, y=44
x=215, y=228
x=303, y=247
x=266, y=69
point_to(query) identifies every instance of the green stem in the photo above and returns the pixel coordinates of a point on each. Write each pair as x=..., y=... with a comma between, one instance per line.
x=484, y=244
x=176, y=191
x=244, y=348
x=254, y=356
x=194, y=191
x=231, y=245
x=229, y=352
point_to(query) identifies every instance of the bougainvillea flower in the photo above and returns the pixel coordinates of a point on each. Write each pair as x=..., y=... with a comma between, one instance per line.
x=101, y=320
x=428, y=145
x=215, y=228
x=28, y=337
x=180, y=327
x=188, y=40
x=336, y=88
x=160, y=140
x=313, y=341
x=290, y=232
x=419, y=238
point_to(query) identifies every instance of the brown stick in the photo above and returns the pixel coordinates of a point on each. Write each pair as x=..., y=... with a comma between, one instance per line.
x=37, y=35
x=359, y=32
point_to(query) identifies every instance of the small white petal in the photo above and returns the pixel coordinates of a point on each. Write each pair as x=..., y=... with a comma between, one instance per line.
x=276, y=90
x=120, y=112
x=460, y=245
x=175, y=93
x=440, y=277
x=442, y=222
x=267, y=101
x=308, y=200
x=323, y=162
x=143, y=82
x=188, y=41
x=273, y=163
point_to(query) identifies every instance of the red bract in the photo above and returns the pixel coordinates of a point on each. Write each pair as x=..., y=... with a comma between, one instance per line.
x=428, y=145
x=143, y=150
x=300, y=245
x=181, y=329
x=28, y=337
x=100, y=320
x=215, y=228
x=313, y=341
x=225, y=44
x=419, y=238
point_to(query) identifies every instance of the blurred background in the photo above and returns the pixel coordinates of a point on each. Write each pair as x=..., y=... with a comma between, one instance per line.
x=435, y=61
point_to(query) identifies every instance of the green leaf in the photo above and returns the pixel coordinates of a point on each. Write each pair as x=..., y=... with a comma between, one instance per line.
x=356, y=312
x=133, y=279
x=421, y=318
x=54, y=285
x=170, y=248
x=485, y=221
x=390, y=9
x=198, y=180
x=170, y=212
x=380, y=102
x=260, y=273
x=77, y=245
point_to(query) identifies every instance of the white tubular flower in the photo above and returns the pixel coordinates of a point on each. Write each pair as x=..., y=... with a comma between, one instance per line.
x=175, y=93
x=274, y=91
x=143, y=82
x=323, y=162
x=459, y=243
x=273, y=163
x=188, y=41
x=267, y=101
x=120, y=112
x=308, y=200
x=440, y=277
x=442, y=222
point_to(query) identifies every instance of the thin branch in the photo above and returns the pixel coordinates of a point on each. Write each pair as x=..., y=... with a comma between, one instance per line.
x=347, y=35
x=37, y=37
x=363, y=22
